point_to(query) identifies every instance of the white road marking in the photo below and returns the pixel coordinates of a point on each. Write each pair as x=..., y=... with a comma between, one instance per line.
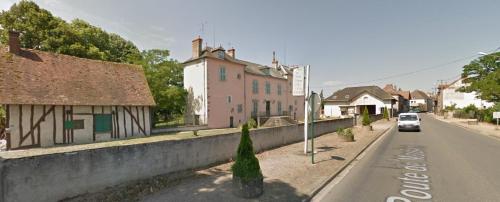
x=346, y=171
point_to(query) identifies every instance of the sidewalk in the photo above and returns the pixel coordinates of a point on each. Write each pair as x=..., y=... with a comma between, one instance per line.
x=288, y=173
x=482, y=128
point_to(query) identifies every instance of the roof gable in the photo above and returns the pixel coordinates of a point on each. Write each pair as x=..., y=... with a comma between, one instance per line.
x=37, y=77
x=350, y=93
x=417, y=94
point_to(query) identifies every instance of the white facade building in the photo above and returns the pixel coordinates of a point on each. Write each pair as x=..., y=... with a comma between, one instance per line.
x=452, y=96
x=353, y=100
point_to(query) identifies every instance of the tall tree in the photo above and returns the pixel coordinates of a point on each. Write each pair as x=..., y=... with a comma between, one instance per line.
x=165, y=78
x=41, y=30
x=483, y=76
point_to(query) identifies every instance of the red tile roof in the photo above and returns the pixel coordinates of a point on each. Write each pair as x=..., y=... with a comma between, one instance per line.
x=37, y=77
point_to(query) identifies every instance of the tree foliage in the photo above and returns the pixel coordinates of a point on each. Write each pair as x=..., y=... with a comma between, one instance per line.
x=386, y=113
x=483, y=76
x=246, y=165
x=165, y=78
x=366, y=117
x=43, y=31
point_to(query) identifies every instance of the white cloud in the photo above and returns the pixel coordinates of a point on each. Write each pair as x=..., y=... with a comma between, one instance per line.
x=6, y=4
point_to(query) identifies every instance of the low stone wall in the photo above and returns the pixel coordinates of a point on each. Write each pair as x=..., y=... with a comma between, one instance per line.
x=53, y=177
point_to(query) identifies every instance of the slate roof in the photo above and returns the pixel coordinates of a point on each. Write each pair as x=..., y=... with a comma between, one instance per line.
x=351, y=93
x=43, y=78
x=417, y=94
x=250, y=67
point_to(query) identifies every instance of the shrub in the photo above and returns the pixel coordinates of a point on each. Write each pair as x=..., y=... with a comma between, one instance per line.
x=2, y=117
x=488, y=113
x=348, y=132
x=366, y=118
x=340, y=131
x=252, y=123
x=247, y=165
x=451, y=107
x=386, y=113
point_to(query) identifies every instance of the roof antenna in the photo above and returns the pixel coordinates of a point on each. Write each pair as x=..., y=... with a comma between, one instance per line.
x=214, y=35
x=284, y=57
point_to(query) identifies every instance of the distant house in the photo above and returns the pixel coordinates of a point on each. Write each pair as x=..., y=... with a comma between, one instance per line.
x=449, y=95
x=52, y=99
x=353, y=100
x=421, y=101
x=225, y=91
x=402, y=98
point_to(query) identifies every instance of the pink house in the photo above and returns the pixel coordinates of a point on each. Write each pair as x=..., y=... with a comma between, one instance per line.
x=225, y=91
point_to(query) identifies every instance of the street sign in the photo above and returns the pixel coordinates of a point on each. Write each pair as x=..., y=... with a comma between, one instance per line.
x=316, y=103
x=298, y=81
x=496, y=115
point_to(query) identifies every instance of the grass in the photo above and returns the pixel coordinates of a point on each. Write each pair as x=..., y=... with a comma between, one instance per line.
x=175, y=122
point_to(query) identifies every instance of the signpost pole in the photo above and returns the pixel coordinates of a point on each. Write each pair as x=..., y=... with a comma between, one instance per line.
x=312, y=125
x=306, y=106
x=496, y=115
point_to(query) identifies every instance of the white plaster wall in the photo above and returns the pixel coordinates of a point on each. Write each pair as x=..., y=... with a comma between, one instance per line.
x=451, y=96
x=195, y=78
x=332, y=110
x=367, y=99
x=83, y=113
x=416, y=102
x=79, y=113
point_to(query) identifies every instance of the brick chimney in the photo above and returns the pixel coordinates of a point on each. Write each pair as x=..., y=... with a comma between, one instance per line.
x=14, y=42
x=197, y=47
x=231, y=52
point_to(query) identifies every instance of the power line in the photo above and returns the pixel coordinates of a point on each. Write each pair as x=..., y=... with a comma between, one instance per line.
x=404, y=74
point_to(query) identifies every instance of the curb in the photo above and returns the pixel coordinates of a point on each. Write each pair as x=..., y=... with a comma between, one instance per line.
x=336, y=173
x=469, y=129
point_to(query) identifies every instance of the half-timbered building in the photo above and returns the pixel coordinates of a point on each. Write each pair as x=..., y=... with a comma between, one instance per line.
x=53, y=99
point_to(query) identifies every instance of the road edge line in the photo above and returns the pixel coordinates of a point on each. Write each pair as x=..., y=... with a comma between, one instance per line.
x=336, y=173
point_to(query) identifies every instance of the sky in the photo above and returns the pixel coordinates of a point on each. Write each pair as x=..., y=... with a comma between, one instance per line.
x=412, y=44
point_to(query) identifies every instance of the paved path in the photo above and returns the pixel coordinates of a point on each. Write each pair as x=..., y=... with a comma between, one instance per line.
x=442, y=163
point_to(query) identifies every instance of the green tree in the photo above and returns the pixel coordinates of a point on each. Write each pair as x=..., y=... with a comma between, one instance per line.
x=2, y=118
x=366, y=117
x=386, y=113
x=165, y=78
x=43, y=31
x=246, y=165
x=483, y=76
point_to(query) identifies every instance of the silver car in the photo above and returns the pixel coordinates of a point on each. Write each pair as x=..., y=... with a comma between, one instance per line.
x=409, y=122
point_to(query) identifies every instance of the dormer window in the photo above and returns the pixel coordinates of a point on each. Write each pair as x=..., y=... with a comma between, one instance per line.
x=220, y=54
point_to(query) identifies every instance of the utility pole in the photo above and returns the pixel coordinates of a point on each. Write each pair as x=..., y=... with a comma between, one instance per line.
x=306, y=106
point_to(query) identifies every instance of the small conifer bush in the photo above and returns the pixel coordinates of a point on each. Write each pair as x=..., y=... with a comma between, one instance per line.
x=386, y=113
x=246, y=165
x=366, y=118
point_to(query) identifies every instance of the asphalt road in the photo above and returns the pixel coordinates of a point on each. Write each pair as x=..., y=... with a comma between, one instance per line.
x=443, y=162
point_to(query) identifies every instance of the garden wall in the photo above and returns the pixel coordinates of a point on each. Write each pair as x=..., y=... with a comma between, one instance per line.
x=57, y=176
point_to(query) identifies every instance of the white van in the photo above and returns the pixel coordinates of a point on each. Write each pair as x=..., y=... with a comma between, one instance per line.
x=409, y=121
